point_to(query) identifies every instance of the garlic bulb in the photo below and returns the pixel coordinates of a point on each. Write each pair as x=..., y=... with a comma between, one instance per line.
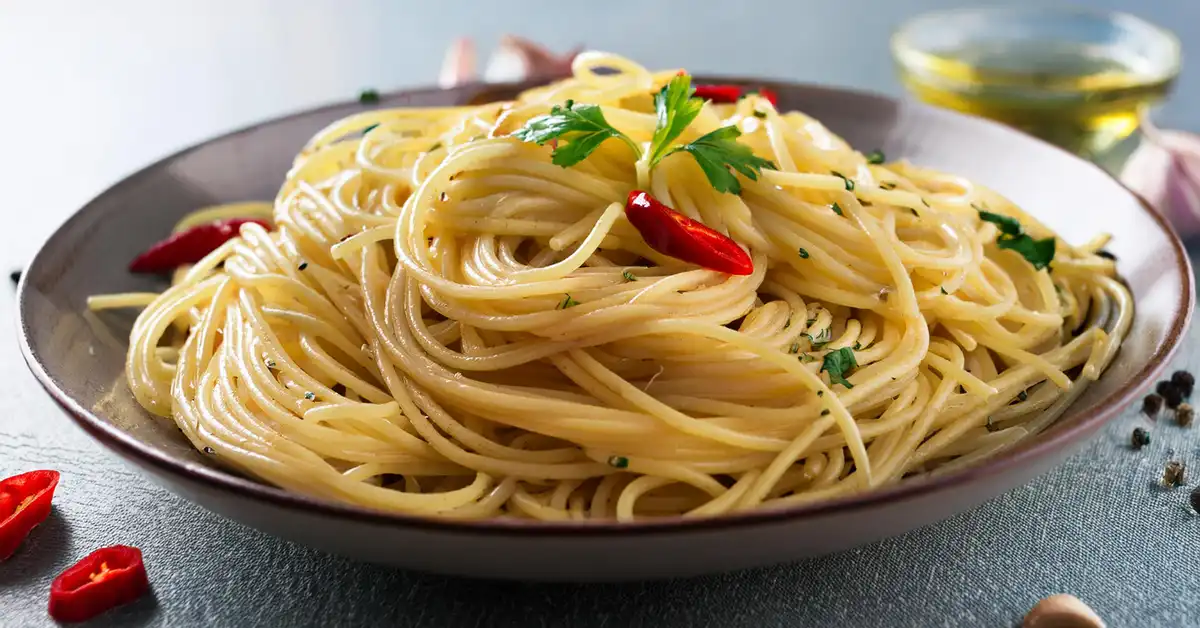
x=1165, y=170
x=515, y=59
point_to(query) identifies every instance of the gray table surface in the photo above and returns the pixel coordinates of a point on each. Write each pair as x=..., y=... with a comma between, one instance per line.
x=93, y=91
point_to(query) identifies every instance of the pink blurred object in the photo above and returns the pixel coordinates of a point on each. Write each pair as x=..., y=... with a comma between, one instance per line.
x=1165, y=170
x=515, y=59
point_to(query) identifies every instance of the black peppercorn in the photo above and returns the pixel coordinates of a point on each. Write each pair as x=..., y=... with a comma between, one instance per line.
x=1173, y=474
x=1140, y=438
x=1184, y=415
x=1170, y=393
x=1195, y=499
x=1184, y=381
x=1151, y=405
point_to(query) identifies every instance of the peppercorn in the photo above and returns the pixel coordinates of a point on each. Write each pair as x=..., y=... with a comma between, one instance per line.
x=1151, y=405
x=1184, y=381
x=1170, y=393
x=15, y=277
x=1173, y=474
x=1195, y=499
x=1184, y=415
x=1139, y=438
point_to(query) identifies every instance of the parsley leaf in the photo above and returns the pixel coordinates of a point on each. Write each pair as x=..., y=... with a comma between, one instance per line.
x=803, y=253
x=1012, y=237
x=837, y=209
x=629, y=276
x=567, y=302
x=1007, y=224
x=718, y=153
x=1037, y=252
x=821, y=339
x=579, y=128
x=839, y=364
x=846, y=180
x=676, y=108
x=876, y=157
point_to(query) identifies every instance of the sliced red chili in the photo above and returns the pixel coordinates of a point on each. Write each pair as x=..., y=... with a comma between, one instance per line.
x=190, y=245
x=719, y=93
x=24, y=503
x=671, y=233
x=106, y=578
x=732, y=93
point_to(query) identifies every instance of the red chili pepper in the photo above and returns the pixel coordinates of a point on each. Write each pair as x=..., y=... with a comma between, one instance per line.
x=189, y=246
x=106, y=578
x=671, y=233
x=732, y=93
x=719, y=93
x=24, y=503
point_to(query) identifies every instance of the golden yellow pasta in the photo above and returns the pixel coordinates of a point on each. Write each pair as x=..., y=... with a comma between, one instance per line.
x=445, y=322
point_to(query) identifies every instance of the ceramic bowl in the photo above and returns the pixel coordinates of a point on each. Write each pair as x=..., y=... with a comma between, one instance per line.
x=79, y=356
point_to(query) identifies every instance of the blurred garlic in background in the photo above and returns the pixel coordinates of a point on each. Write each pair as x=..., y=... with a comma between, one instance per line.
x=1165, y=170
x=515, y=59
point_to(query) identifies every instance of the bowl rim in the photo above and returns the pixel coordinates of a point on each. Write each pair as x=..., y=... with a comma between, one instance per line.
x=130, y=447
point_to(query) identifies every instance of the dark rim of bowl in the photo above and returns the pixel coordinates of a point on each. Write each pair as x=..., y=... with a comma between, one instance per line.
x=1059, y=435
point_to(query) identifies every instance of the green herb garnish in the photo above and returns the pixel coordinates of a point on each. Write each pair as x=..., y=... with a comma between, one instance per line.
x=806, y=358
x=310, y=395
x=1022, y=395
x=846, y=180
x=719, y=154
x=887, y=185
x=675, y=108
x=567, y=302
x=839, y=364
x=837, y=209
x=943, y=289
x=629, y=276
x=368, y=96
x=803, y=253
x=875, y=157
x=821, y=339
x=1013, y=237
x=760, y=114
x=618, y=462
x=578, y=128
x=794, y=349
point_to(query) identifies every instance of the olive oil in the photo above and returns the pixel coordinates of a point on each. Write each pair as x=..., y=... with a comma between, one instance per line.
x=1072, y=95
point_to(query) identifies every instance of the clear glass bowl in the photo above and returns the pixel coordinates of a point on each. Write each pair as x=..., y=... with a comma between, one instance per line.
x=1076, y=77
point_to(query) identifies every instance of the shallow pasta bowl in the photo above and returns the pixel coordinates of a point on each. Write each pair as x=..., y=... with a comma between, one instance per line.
x=79, y=357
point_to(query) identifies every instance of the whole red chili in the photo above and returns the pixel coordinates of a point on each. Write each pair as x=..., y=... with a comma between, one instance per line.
x=106, y=578
x=189, y=246
x=671, y=233
x=731, y=93
x=24, y=503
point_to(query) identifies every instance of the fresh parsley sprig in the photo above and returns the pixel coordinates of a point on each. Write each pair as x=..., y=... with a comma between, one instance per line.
x=719, y=154
x=579, y=129
x=1013, y=237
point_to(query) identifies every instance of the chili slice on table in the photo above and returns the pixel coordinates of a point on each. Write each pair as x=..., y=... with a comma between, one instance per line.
x=671, y=233
x=24, y=503
x=104, y=579
x=190, y=245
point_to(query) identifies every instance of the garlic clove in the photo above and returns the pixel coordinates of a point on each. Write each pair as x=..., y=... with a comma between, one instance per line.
x=1062, y=611
x=517, y=58
x=1165, y=170
x=459, y=64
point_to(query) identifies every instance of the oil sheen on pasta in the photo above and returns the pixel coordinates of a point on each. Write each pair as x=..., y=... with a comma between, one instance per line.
x=399, y=342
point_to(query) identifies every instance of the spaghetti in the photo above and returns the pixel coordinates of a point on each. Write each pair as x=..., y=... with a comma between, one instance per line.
x=443, y=322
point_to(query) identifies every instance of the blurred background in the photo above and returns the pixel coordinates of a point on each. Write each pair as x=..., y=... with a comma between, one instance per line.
x=95, y=90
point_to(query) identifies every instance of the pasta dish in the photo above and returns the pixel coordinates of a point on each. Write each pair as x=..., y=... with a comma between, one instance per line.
x=622, y=295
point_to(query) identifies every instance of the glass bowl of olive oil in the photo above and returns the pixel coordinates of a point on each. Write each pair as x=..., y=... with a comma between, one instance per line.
x=1077, y=78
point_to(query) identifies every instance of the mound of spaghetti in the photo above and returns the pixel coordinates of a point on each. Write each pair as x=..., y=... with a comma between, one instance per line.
x=619, y=296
